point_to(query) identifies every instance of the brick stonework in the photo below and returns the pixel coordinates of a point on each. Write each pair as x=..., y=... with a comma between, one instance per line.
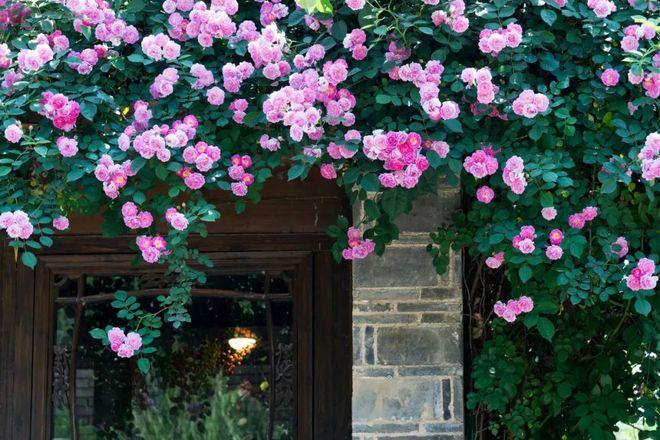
x=407, y=331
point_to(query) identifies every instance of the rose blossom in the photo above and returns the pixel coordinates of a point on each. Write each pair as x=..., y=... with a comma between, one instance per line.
x=485, y=194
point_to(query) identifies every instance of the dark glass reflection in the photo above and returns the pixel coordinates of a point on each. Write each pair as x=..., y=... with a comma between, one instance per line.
x=199, y=386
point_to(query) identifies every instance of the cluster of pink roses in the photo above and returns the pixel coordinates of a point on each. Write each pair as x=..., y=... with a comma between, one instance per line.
x=156, y=140
x=358, y=248
x=30, y=60
x=314, y=24
x=513, y=308
x=114, y=176
x=455, y=19
x=68, y=147
x=176, y=219
x=267, y=49
x=427, y=80
x=124, y=345
x=602, y=8
x=14, y=132
x=579, y=219
x=554, y=251
x=202, y=155
x=486, y=90
x=524, y=241
x=12, y=14
x=494, y=41
x=513, y=175
x=314, y=53
x=269, y=143
x=152, y=248
x=233, y=75
x=401, y=154
x=271, y=11
x=203, y=23
x=59, y=109
x=339, y=104
x=354, y=41
x=529, y=104
x=87, y=58
x=134, y=218
x=98, y=15
x=481, y=163
x=203, y=76
x=191, y=179
x=293, y=105
x=160, y=46
x=237, y=171
x=238, y=107
x=634, y=33
x=650, y=156
x=163, y=84
x=642, y=277
x=17, y=224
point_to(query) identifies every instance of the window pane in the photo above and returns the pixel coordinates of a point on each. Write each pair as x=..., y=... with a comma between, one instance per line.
x=212, y=379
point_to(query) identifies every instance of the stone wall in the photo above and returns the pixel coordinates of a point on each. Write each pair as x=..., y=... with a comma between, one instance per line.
x=407, y=336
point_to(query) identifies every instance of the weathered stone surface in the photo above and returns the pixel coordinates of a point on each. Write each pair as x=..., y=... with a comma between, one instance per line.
x=408, y=382
x=369, y=345
x=397, y=267
x=357, y=346
x=429, y=212
x=395, y=399
x=442, y=293
x=418, y=345
x=384, y=318
x=385, y=294
x=386, y=427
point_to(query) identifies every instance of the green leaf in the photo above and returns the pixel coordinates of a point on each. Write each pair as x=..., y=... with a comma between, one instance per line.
x=394, y=202
x=370, y=183
x=546, y=328
x=144, y=365
x=642, y=306
x=88, y=110
x=525, y=273
x=97, y=333
x=296, y=171
x=549, y=16
x=29, y=259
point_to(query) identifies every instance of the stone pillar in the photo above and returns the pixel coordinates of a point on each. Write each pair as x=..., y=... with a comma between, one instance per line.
x=407, y=335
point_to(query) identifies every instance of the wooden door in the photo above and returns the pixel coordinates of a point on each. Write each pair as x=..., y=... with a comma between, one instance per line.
x=288, y=270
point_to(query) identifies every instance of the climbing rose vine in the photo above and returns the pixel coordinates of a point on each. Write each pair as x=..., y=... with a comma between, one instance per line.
x=544, y=112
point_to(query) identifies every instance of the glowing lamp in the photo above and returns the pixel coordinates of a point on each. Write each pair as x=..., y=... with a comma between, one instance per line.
x=242, y=344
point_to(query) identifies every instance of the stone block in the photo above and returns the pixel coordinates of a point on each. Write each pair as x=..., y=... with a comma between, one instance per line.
x=395, y=399
x=418, y=345
x=357, y=346
x=429, y=212
x=385, y=294
x=397, y=267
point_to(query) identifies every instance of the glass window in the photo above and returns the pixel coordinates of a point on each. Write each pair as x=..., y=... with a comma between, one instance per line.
x=227, y=375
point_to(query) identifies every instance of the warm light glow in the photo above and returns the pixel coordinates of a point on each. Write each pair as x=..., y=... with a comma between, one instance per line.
x=242, y=344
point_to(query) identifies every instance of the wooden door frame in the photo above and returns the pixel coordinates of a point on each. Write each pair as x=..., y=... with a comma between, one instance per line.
x=26, y=326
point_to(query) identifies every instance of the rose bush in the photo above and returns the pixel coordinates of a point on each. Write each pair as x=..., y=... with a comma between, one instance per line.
x=544, y=112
